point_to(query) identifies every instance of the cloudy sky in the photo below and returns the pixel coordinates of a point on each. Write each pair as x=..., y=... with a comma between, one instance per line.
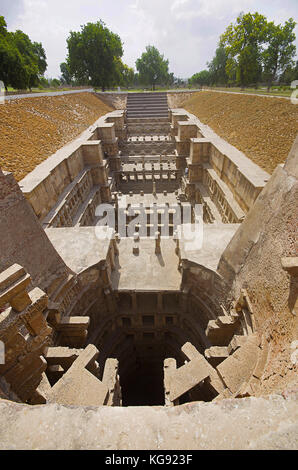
x=185, y=31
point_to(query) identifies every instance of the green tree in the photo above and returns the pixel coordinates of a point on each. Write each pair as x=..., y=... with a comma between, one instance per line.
x=243, y=44
x=124, y=75
x=54, y=82
x=22, y=62
x=93, y=53
x=127, y=76
x=217, y=67
x=136, y=80
x=10, y=59
x=30, y=60
x=41, y=58
x=231, y=69
x=201, y=78
x=289, y=75
x=180, y=82
x=153, y=68
x=65, y=74
x=171, y=79
x=279, y=54
x=44, y=83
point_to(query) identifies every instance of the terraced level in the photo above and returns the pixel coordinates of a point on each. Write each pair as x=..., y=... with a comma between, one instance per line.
x=149, y=263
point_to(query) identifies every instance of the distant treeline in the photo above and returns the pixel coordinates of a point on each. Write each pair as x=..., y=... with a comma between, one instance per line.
x=250, y=52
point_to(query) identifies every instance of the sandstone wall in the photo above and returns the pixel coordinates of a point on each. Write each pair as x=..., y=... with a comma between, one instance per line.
x=23, y=240
x=116, y=100
x=252, y=260
x=176, y=99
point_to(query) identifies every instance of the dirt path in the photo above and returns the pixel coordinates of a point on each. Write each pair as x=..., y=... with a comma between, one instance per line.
x=49, y=93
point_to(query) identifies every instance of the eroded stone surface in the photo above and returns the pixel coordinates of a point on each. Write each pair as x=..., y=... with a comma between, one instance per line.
x=250, y=423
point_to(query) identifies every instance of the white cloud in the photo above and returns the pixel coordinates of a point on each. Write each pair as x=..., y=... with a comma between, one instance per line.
x=185, y=31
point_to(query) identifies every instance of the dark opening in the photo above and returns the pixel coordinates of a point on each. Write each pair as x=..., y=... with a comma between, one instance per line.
x=126, y=322
x=143, y=386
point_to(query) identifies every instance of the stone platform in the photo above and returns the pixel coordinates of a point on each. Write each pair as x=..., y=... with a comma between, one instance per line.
x=146, y=271
x=249, y=423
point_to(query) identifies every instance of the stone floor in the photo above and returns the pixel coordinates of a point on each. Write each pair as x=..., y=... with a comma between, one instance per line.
x=146, y=271
x=90, y=245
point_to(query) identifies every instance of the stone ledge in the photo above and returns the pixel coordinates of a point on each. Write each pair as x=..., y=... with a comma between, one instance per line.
x=248, y=423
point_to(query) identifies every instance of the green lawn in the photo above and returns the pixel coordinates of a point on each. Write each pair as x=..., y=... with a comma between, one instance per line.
x=42, y=90
x=138, y=90
x=253, y=91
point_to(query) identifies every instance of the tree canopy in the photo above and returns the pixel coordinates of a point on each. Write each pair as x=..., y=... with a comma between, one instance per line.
x=22, y=62
x=65, y=74
x=250, y=51
x=257, y=49
x=153, y=68
x=93, y=55
x=279, y=54
x=201, y=78
x=217, y=67
x=127, y=75
x=290, y=74
x=242, y=42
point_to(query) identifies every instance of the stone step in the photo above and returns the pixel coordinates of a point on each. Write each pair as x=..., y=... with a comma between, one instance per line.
x=15, y=281
x=149, y=110
x=225, y=321
x=146, y=100
x=146, y=105
x=146, y=120
x=238, y=368
x=163, y=100
x=221, y=330
x=149, y=104
x=146, y=95
x=11, y=275
x=147, y=115
x=216, y=354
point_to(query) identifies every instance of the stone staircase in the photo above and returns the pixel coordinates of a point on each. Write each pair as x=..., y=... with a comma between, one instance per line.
x=238, y=354
x=147, y=105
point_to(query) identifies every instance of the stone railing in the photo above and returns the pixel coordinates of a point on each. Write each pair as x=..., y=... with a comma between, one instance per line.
x=234, y=181
x=75, y=178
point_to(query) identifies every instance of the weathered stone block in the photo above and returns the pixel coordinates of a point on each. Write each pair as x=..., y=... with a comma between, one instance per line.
x=238, y=368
